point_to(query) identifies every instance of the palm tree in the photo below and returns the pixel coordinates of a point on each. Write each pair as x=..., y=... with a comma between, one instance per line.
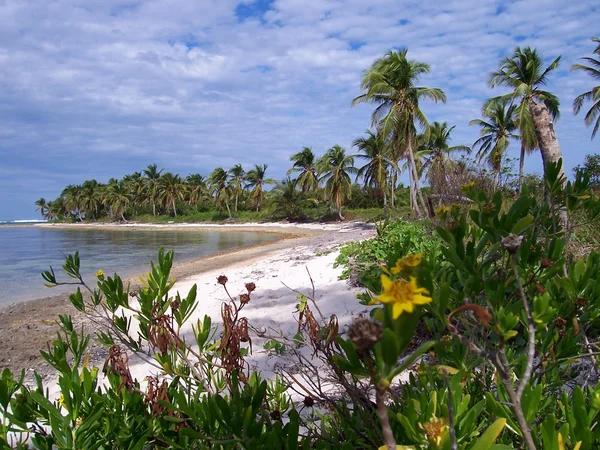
x=219, y=187
x=435, y=147
x=336, y=167
x=305, y=163
x=118, y=197
x=237, y=176
x=375, y=171
x=56, y=209
x=91, y=198
x=256, y=181
x=170, y=189
x=391, y=84
x=153, y=175
x=288, y=201
x=42, y=207
x=196, y=188
x=496, y=130
x=72, y=196
x=592, y=95
x=524, y=74
x=138, y=187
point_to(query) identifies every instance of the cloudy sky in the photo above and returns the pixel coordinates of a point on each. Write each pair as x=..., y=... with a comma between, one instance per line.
x=101, y=88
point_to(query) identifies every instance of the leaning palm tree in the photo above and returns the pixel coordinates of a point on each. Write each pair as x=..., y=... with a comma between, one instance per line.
x=219, y=187
x=436, y=150
x=72, y=199
x=91, y=198
x=237, y=177
x=593, y=95
x=375, y=171
x=256, y=181
x=497, y=128
x=170, y=189
x=524, y=74
x=391, y=84
x=56, y=209
x=153, y=175
x=42, y=207
x=335, y=168
x=196, y=188
x=305, y=164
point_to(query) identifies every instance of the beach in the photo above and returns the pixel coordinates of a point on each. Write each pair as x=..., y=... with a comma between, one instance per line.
x=302, y=256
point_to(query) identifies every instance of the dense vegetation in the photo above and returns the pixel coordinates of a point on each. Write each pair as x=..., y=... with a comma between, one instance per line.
x=401, y=139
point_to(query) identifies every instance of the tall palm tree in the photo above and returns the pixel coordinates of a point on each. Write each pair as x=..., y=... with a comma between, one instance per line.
x=524, y=74
x=305, y=164
x=497, y=128
x=170, y=189
x=91, y=198
x=335, y=168
x=196, y=188
x=593, y=95
x=375, y=171
x=435, y=147
x=153, y=175
x=56, y=209
x=237, y=177
x=287, y=200
x=72, y=196
x=42, y=207
x=391, y=84
x=219, y=187
x=257, y=180
x=138, y=188
x=118, y=197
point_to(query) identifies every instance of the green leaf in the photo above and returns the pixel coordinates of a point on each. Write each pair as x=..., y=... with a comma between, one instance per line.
x=486, y=440
x=522, y=224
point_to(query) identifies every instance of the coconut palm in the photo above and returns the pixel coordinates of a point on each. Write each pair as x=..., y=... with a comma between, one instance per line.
x=256, y=181
x=524, y=74
x=375, y=171
x=335, y=168
x=170, y=189
x=497, y=128
x=305, y=164
x=138, y=188
x=72, y=196
x=287, y=200
x=196, y=188
x=593, y=95
x=237, y=177
x=91, y=199
x=56, y=209
x=391, y=84
x=153, y=175
x=42, y=207
x=220, y=188
x=436, y=150
x=117, y=197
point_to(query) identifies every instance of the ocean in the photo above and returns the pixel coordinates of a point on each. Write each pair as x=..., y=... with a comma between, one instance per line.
x=27, y=251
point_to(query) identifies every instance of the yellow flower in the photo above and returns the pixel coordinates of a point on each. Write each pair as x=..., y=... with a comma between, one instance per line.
x=403, y=294
x=100, y=273
x=408, y=261
x=442, y=210
x=468, y=186
x=435, y=430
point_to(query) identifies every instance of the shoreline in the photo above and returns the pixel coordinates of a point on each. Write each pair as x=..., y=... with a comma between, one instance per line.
x=26, y=327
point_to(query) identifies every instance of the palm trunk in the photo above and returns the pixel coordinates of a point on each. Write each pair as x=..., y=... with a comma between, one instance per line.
x=174, y=209
x=521, y=166
x=228, y=210
x=393, y=186
x=549, y=148
x=385, y=208
x=236, y=201
x=413, y=177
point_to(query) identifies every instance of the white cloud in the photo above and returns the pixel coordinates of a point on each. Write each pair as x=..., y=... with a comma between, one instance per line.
x=99, y=89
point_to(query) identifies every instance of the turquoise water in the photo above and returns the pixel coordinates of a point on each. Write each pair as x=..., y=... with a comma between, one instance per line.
x=25, y=252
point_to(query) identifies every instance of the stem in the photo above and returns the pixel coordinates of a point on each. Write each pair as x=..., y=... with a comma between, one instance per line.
x=531, y=332
x=388, y=436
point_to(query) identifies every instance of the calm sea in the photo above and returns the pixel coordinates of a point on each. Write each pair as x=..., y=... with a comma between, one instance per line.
x=25, y=252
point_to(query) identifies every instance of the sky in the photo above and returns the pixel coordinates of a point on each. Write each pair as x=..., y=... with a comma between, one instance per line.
x=94, y=89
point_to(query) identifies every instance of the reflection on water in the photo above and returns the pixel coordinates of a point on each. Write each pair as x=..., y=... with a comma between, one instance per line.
x=27, y=251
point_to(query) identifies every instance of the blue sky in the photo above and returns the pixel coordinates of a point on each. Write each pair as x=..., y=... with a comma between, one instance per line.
x=101, y=88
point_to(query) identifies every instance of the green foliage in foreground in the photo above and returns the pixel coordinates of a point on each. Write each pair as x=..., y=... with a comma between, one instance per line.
x=496, y=328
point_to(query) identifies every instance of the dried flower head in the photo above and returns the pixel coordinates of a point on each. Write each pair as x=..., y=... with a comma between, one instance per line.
x=250, y=287
x=547, y=263
x=581, y=302
x=222, y=279
x=364, y=333
x=512, y=242
x=244, y=298
x=560, y=323
x=308, y=401
x=134, y=293
x=175, y=304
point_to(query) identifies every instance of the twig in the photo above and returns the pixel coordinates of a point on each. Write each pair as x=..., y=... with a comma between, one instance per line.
x=531, y=333
x=453, y=444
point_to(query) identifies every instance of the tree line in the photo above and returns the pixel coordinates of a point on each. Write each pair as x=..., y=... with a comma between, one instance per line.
x=400, y=139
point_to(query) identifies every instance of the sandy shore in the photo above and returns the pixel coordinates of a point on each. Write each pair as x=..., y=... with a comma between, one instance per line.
x=27, y=327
